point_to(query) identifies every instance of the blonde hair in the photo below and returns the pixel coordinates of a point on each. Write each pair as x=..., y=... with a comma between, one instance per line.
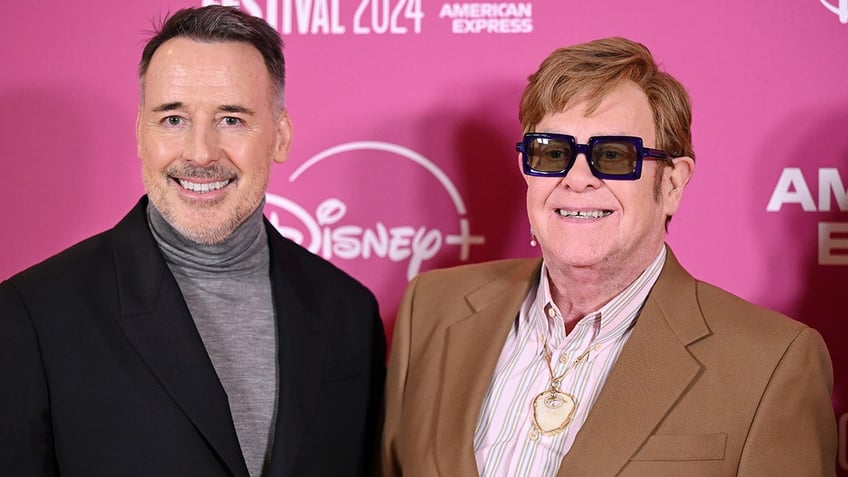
x=589, y=71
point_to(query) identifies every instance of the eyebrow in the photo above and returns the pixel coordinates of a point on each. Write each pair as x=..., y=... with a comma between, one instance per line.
x=232, y=108
x=227, y=108
x=168, y=107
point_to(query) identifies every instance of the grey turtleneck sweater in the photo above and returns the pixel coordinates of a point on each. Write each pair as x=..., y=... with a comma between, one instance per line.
x=228, y=290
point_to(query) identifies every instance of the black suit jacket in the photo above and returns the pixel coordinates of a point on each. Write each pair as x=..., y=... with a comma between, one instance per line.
x=104, y=373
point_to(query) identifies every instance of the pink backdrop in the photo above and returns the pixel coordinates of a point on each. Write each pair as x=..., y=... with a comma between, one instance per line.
x=404, y=129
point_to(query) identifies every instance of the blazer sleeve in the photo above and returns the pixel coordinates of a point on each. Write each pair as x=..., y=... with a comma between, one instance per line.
x=794, y=429
x=26, y=436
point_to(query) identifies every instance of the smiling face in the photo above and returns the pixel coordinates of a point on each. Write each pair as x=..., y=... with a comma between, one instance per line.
x=582, y=221
x=207, y=133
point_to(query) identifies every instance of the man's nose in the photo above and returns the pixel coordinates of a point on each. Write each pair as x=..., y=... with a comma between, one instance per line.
x=580, y=176
x=201, y=145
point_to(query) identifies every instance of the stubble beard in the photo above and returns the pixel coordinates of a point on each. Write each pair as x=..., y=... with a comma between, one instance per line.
x=200, y=221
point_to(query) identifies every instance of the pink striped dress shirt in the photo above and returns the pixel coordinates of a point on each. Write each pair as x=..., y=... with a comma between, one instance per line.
x=504, y=441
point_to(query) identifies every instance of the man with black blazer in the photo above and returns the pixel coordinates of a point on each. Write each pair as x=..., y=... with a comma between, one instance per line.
x=192, y=339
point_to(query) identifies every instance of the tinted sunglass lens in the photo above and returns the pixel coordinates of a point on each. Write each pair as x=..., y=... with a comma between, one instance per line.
x=549, y=155
x=614, y=157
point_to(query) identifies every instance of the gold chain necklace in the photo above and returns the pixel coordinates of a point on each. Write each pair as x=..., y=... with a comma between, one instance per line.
x=552, y=408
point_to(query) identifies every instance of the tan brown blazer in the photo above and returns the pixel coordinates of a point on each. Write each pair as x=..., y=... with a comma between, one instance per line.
x=707, y=385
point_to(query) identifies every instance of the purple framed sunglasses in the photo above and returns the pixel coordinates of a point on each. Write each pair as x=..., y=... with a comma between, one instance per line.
x=609, y=157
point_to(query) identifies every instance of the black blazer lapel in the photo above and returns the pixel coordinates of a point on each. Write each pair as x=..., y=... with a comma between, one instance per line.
x=300, y=355
x=156, y=321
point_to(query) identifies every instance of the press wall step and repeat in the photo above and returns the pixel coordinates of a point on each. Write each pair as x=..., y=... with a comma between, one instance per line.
x=405, y=121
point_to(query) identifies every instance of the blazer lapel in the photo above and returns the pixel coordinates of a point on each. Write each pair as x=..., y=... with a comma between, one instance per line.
x=157, y=323
x=473, y=346
x=301, y=355
x=651, y=373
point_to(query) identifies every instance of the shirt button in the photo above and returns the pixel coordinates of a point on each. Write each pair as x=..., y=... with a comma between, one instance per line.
x=551, y=312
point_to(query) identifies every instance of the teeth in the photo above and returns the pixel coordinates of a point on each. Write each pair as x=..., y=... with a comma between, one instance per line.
x=202, y=188
x=584, y=214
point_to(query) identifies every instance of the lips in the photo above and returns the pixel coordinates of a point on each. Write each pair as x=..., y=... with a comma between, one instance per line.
x=584, y=214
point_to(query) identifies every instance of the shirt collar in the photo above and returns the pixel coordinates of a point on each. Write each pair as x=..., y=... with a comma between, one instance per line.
x=610, y=321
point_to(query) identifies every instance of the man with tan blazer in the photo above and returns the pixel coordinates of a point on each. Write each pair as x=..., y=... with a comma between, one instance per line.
x=604, y=357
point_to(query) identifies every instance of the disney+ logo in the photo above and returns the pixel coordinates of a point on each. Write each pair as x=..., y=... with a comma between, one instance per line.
x=841, y=9
x=326, y=232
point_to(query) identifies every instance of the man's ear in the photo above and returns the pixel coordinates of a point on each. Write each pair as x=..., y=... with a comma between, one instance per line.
x=520, y=163
x=285, y=130
x=677, y=177
x=138, y=131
